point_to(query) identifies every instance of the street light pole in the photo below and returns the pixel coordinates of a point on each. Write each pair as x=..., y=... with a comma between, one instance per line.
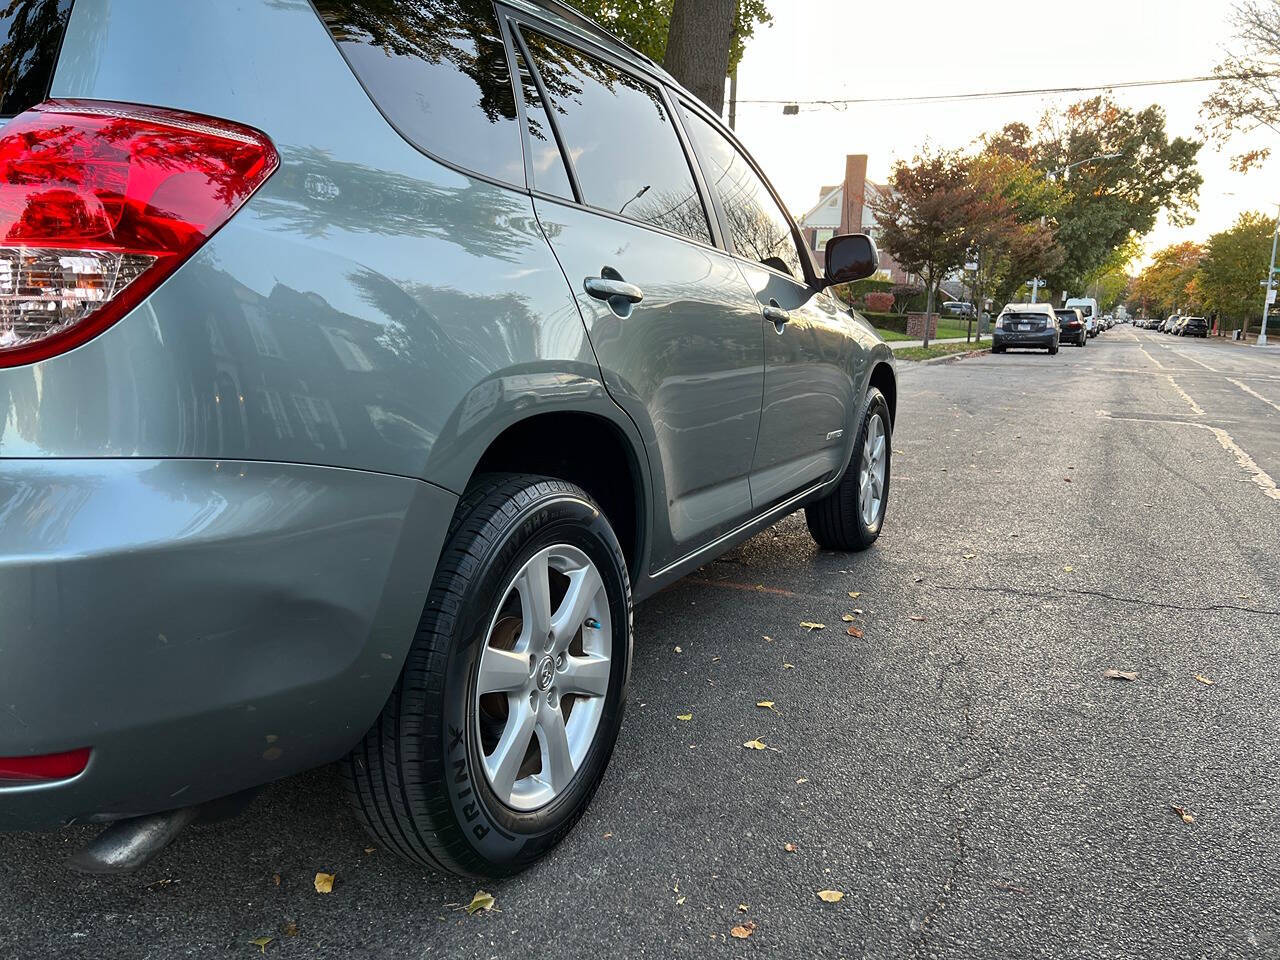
x=1271, y=282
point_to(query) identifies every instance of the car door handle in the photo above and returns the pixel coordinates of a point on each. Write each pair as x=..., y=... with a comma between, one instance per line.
x=606, y=288
x=775, y=314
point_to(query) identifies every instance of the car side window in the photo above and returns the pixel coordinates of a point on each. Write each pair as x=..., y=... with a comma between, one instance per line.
x=621, y=138
x=549, y=174
x=438, y=70
x=758, y=228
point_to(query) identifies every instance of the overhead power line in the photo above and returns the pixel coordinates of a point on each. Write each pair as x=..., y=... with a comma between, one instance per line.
x=1027, y=92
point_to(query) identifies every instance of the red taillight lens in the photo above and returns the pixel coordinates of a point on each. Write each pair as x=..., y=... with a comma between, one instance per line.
x=99, y=202
x=49, y=766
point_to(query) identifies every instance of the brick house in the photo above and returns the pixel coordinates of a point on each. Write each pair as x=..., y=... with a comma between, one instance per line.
x=843, y=208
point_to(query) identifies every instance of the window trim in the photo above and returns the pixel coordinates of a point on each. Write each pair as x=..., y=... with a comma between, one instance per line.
x=520, y=21
x=430, y=154
x=516, y=44
x=811, y=277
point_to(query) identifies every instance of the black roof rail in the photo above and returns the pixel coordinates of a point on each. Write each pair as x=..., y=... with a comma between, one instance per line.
x=580, y=19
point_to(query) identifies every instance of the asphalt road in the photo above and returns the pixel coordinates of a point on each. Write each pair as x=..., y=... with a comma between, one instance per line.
x=963, y=772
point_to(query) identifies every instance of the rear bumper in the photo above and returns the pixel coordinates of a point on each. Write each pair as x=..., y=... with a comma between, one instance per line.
x=204, y=626
x=1040, y=341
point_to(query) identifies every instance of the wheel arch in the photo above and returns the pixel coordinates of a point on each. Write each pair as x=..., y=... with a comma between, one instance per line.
x=886, y=381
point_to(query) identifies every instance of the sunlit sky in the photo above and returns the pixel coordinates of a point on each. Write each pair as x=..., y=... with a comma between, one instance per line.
x=828, y=49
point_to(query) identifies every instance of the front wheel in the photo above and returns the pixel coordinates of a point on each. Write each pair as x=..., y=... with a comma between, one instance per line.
x=851, y=516
x=506, y=712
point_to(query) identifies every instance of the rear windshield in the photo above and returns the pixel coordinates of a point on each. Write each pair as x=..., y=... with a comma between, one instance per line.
x=1024, y=317
x=30, y=35
x=1085, y=309
x=1065, y=314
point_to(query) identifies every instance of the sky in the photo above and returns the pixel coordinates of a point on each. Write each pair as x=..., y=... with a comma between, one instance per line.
x=829, y=49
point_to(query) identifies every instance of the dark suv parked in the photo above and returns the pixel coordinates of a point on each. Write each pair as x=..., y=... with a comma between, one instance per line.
x=1072, y=327
x=1193, y=327
x=356, y=386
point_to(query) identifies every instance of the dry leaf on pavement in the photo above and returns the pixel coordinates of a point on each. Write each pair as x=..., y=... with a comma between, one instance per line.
x=847, y=618
x=917, y=619
x=789, y=847
x=743, y=908
x=290, y=929
x=1068, y=568
x=970, y=556
x=1113, y=674
x=324, y=882
x=812, y=626
x=1205, y=680
x=755, y=745
x=855, y=594
x=261, y=943
x=830, y=896
x=854, y=631
x=684, y=716
x=788, y=666
x=483, y=900
x=1183, y=812
x=765, y=704
x=743, y=930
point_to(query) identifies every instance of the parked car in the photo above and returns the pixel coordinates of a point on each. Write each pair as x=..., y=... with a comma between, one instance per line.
x=1193, y=327
x=1033, y=325
x=1071, y=327
x=314, y=454
x=1170, y=323
x=956, y=308
x=1088, y=307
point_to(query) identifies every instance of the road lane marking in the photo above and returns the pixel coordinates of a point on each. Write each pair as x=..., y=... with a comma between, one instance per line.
x=1150, y=357
x=1254, y=393
x=1187, y=356
x=1257, y=475
x=1195, y=407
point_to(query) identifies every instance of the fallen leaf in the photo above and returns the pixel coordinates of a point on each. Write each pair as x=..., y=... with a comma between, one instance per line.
x=858, y=611
x=765, y=704
x=275, y=878
x=802, y=780
x=789, y=847
x=606, y=836
x=970, y=556
x=917, y=619
x=830, y=896
x=812, y=626
x=854, y=631
x=680, y=901
x=755, y=745
x=1068, y=568
x=261, y=943
x=684, y=716
x=324, y=882
x=290, y=929
x=678, y=650
x=715, y=659
x=1183, y=813
x=743, y=908
x=1112, y=674
x=847, y=618
x=1205, y=680
x=854, y=594
x=788, y=666
x=1066, y=479
x=370, y=849
x=769, y=639
x=483, y=900
x=918, y=578
x=743, y=930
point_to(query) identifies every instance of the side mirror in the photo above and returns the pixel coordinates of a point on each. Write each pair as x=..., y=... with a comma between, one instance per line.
x=851, y=256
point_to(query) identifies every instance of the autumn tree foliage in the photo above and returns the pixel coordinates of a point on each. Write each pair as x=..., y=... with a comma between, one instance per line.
x=1246, y=99
x=1165, y=285
x=1234, y=261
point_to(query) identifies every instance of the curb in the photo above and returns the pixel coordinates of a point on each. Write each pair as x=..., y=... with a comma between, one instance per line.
x=951, y=358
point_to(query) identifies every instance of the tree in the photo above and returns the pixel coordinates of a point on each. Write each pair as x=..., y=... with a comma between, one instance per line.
x=1247, y=97
x=1234, y=262
x=1165, y=284
x=1109, y=202
x=698, y=45
x=931, y=214
x=646, y=25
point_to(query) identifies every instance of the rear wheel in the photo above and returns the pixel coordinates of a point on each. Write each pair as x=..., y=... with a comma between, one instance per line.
x=500, y=728
x=851, y=516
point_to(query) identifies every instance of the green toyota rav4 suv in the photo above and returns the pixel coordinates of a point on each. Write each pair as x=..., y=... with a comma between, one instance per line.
x=361, y=364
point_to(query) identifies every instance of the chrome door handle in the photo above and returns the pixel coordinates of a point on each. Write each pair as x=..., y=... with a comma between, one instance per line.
x=605, y=288
x=775, y=314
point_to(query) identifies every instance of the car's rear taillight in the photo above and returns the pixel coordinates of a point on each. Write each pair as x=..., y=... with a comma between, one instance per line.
x=99, y=202
x=48, y=766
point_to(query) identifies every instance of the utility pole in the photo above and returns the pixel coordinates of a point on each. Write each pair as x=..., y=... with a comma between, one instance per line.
x=1271, y=282
x=1035, y=289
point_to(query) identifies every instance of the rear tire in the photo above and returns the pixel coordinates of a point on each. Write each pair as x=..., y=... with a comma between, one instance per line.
x=851, y=516
x=428, y=779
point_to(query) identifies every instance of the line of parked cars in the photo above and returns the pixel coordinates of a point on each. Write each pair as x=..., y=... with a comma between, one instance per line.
x=1041, y=326
x=1179, y=325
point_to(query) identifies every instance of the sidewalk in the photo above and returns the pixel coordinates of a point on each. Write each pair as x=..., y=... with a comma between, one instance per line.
x=904, y=344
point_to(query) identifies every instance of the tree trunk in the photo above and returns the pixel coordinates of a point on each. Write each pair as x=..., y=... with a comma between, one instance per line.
x=698, y=47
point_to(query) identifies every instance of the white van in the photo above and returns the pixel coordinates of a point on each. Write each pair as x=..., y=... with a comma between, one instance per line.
x=1089, y=308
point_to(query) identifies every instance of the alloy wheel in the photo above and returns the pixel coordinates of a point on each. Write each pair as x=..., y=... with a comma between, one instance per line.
x=543, y=677
x=872, y=470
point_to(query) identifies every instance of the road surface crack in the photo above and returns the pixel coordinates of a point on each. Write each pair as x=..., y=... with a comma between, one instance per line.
x=1102, y=594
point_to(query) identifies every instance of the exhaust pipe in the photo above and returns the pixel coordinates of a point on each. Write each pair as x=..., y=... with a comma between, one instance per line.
x=129, y=844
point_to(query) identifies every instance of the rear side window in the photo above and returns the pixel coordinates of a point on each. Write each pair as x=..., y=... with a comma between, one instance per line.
x=549, y=174
x=621, y=139
x=759, y=229
x=438, y=70
x=30, y=35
